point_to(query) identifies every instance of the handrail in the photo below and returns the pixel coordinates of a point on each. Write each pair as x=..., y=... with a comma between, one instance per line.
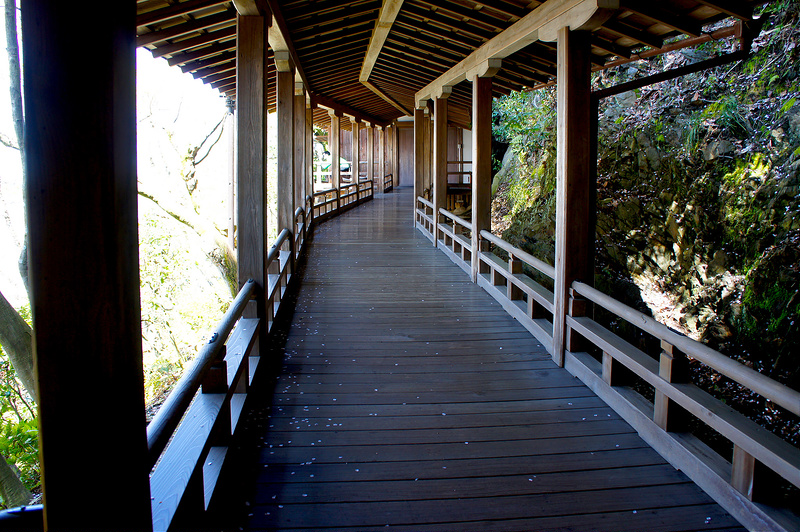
x=424, y=202
x=275, y=250
x=169, y=415
x=460, y=221
x=540, y=265
x=774, y=391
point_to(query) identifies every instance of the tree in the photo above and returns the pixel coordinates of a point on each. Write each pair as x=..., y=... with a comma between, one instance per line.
x=15, y=335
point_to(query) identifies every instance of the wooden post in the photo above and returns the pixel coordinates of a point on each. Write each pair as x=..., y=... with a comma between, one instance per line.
x=370, y=151
x=231, y=123
x=395, y=155
x=381, y=159
x=673, y=367
x=84, y=262
x=439, y=159
x=574, y=194
x=285, y=109
x=299, y=149
x=334, y=141
x=251, y=163
x=309, y=155
x=419, y=170
x=356, y=141
x=481, y=165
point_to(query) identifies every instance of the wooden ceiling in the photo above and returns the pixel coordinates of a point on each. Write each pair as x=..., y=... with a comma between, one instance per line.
x=331, y=39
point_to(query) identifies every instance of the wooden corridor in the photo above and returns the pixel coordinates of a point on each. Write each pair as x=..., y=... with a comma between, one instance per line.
x=409, y=400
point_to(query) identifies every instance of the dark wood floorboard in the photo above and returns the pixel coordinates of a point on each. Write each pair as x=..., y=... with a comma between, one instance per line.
x=409, y=400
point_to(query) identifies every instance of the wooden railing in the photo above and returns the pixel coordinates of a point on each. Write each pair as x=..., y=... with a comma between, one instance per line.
x=423, y=216
x=189, y=438
x=388, y=183
x=733, y=481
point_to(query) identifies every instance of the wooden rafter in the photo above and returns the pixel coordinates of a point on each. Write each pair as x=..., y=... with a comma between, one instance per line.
x=177, y=10
x=550, y=16
x=179, y=30
x=195, y=42
x=735, y=8
x=662, y=16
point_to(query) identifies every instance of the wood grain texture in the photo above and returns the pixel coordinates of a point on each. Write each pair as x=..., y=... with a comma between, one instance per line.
x=481, y=164
x=285, y=151
x=83, y=260
x=409, y=399
x=574, y=187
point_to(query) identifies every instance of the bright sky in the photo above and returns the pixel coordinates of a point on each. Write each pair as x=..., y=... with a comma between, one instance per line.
x=178, y=98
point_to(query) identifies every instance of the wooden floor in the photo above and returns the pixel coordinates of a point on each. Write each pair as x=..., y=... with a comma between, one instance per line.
x=409, y=400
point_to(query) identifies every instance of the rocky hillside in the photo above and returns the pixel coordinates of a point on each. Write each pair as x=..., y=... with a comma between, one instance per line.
x=698, y=214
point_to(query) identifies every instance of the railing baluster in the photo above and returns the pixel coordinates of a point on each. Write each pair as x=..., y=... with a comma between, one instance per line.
x=514, y=267
x=743, y=471
x=673, y=367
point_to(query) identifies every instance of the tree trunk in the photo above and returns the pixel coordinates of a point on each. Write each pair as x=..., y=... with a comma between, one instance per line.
x=15, y=90
x=12, y=490
x=16, y=337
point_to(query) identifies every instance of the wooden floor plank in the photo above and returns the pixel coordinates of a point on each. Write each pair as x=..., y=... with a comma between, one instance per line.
x=409, y=400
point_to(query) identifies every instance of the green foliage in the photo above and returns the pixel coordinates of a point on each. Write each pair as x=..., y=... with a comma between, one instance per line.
x=19, y=443
x=180, y=305
x=19, y=430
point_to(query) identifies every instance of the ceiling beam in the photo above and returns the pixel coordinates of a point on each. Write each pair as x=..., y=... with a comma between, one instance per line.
x=179, y=30
x=383, y=25
x=735, y=8
x=653, y=12
x=280, y=40
x=195, y=42
x=330, y=103
x=173, y=11
x=540, y=24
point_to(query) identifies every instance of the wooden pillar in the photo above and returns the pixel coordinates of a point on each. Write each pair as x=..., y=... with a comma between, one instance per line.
x=299, y=146
x=356, y=140
x=251, y=162
x=481, y=165
x=396, y=154
x=231, y=199
x=439, y=159
x=285, y=109
x=575, y=187
x=84, y=262
x=428, y=152
x=419, y=160
x=381, y=158
x=334, y=141
x=309, y=151
x=370, y=151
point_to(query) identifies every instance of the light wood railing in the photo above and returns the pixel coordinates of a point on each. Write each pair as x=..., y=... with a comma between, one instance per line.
x=733, y=481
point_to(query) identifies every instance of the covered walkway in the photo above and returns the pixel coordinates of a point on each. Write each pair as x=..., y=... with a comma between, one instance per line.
x=410, y=400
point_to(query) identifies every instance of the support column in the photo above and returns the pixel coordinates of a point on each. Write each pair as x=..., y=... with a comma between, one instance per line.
x=285, y=109
x=575, y=187
x=334, y=140
x=354, y=151
x=396, y=154
x=381, y=158
x=481, y=165
x=84, y=261
x=419, y=159
x=309, y=153
x=299, y=146
x=439, y=159
x=370, y=151
x=251, y=162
